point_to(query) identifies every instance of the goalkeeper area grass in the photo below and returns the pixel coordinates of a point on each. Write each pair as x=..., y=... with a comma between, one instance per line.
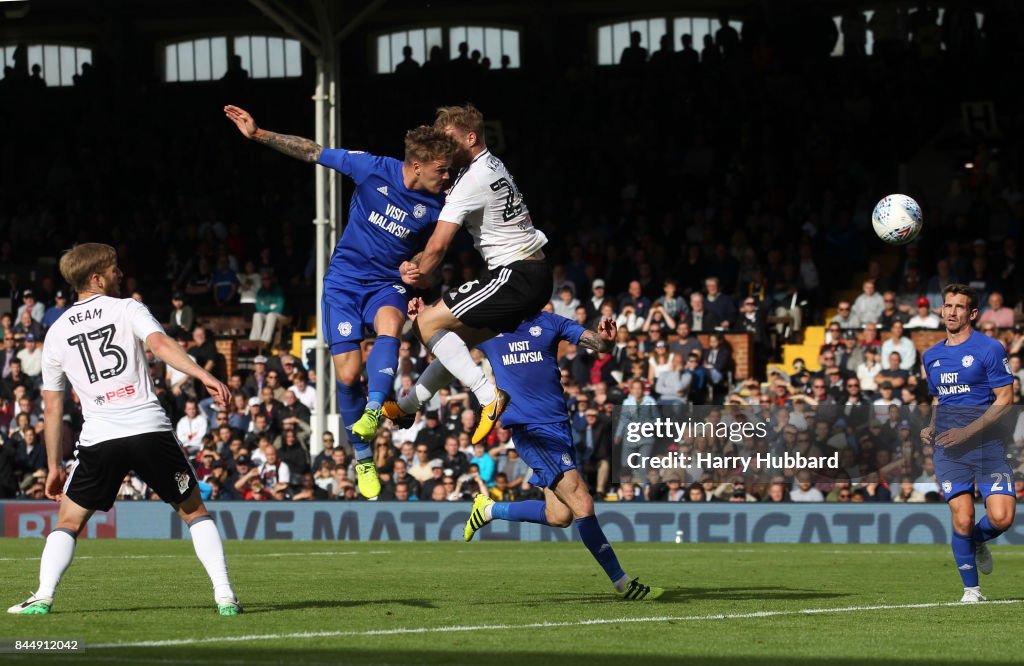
x=150, y=602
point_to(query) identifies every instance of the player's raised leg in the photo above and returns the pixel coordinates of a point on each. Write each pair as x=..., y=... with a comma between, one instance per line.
x=440, y=331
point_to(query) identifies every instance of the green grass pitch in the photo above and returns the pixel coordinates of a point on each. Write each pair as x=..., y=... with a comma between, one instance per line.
x=484, y=603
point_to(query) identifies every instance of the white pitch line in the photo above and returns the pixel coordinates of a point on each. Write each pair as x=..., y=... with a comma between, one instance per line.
x=232, y=556
x=535, y=625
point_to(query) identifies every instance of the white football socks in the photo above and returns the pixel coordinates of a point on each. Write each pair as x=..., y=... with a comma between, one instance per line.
x=206, y=541
x=57, y=555
x=452, y=351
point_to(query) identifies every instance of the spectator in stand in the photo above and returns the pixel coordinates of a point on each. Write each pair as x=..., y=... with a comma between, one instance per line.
x=566, y=303
x=31, y=357
x=628, y=319
x=894, y=374
x=924, y=318
x=673, y=305
x=29, y=304
x=249, y=283
x=254, y=382
x=275, y=474
x=30, y=456
x=699, y=319
x=686, y=342
x=16, y=381
x=8, y=352
x=422, y=468
x=191, y=428
x=199, y=287
x=869, y=305
x=305, y=393
x=997, y=312
x=890, y=313
x=293, y=453
x=309, y=490
x=990, y=329
x=908, y=493
x=203, y=349
x=719, y=304
x=635, y=298
x=597, y=298
x=27, y=326
x=804, y=490
x=224, y=282
x=718, y=360
x=183, y=318
x=269, y=311
x=669, y=384
x=897, y=342
x=845, y=318
x=59, y=307
x=659, y=361
x=869, y=369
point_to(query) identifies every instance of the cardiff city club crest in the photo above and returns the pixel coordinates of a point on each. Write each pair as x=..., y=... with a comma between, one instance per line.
x=968, y=361
x=419, y=211
x=535, y=331
x=345, y=328
x=947, y=487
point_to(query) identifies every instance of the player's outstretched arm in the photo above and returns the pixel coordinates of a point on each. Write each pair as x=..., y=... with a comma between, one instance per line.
x=53, y=424
x=171, y=353
x=306, y=150
x=415, y=273
x=603, y=339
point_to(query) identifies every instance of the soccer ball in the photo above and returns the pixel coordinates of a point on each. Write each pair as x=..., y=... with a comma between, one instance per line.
x=897, y=219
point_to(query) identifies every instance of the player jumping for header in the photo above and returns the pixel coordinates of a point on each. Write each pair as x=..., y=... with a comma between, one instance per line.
x=969, y=375
x=484, y=198
x=393, y=209
x=97, y=346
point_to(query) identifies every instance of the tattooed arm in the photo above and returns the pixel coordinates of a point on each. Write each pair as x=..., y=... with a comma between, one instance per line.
x=602, y=340
x=292, y=146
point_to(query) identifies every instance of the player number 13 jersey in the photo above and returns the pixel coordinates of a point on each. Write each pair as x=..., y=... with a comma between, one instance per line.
x=96, y=345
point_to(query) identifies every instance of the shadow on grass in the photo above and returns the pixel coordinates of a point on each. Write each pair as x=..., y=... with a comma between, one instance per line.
x=255, y=608
x=681, y=595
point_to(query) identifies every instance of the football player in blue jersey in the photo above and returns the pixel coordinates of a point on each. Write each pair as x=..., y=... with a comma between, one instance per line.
x=969, y=375
x=393, y=212
x=526, y=360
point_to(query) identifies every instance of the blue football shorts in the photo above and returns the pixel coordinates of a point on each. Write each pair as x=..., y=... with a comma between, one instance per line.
x=985, y=465
x=350, y=306
x=547, y=448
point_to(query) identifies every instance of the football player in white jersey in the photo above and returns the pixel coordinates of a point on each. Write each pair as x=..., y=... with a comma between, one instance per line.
x=97, y=346
x=485, y=200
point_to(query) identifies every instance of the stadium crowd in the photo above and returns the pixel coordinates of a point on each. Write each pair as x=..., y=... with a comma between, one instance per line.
x=706, y=194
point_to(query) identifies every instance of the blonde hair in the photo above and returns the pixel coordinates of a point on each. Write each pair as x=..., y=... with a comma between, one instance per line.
x=83, y=261
x=426, y=144
x=466, y=118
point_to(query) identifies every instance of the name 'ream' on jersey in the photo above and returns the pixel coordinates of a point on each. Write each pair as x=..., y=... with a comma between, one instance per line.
x=97, y=346
x=485, y=200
